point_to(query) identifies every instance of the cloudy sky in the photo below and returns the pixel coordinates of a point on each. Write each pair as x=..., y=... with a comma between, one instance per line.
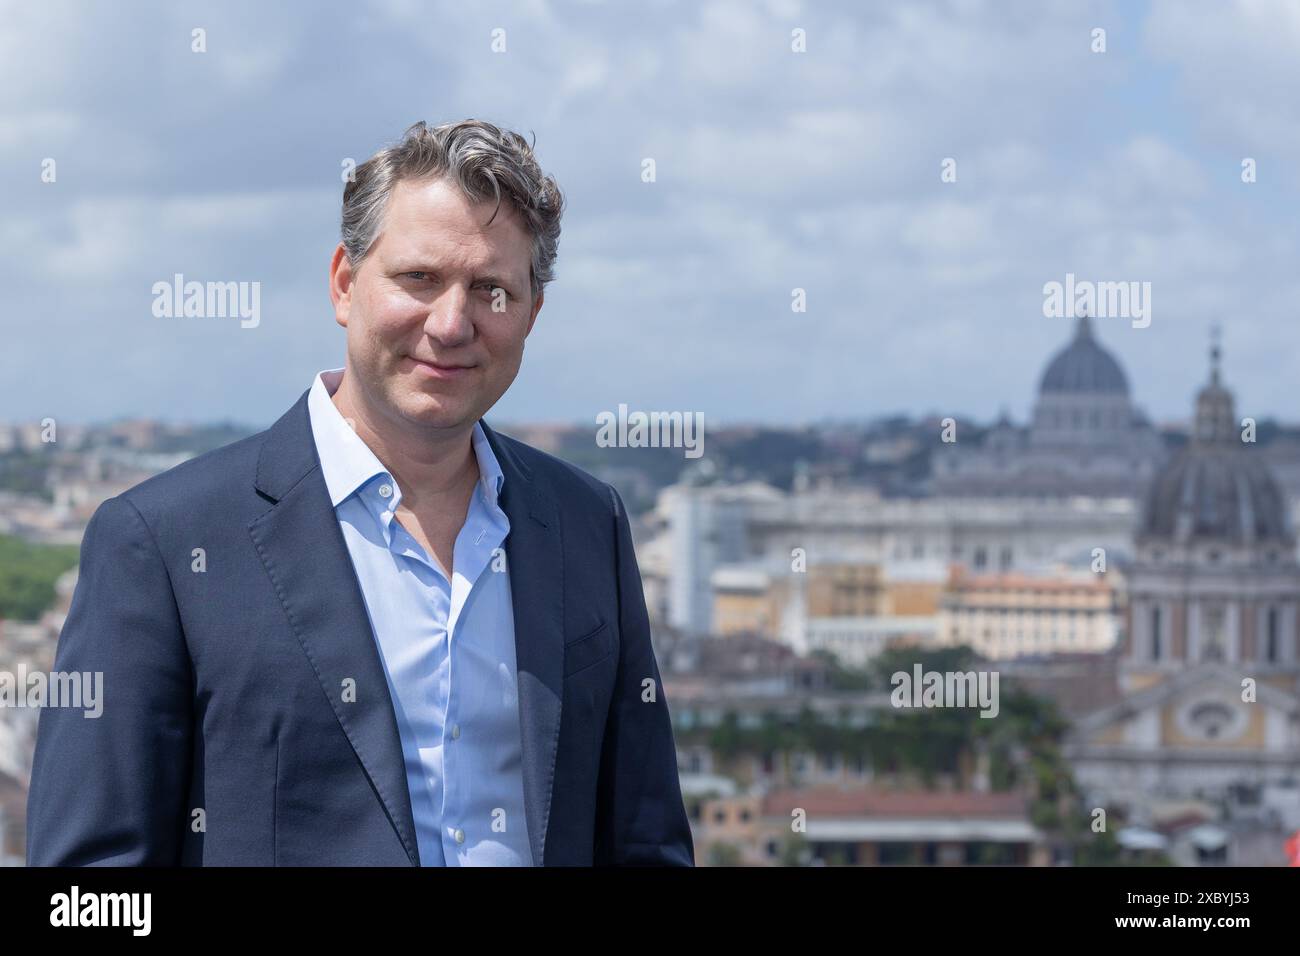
x=776, y=170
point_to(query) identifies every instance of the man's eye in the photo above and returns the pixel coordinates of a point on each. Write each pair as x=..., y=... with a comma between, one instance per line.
x=416, y=275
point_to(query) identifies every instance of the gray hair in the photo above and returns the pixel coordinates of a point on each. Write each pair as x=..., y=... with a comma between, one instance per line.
x=485, y=161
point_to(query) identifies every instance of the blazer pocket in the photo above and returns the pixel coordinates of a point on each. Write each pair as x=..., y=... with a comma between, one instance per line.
x=588, y=650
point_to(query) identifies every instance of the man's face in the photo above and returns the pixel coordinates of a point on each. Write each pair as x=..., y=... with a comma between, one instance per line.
x=425, y=344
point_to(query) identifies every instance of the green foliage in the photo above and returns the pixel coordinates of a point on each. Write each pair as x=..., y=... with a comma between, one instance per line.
x=839, y=677
x=794, y=850
x=27, y=576
x=23, y=472
x=1022, y=744
x=895, y=659
x=723, y=854
x=1095, y=849
x=727, y=740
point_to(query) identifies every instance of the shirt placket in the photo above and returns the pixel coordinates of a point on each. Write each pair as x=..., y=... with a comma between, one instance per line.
x=401, y=542
x=470, y=557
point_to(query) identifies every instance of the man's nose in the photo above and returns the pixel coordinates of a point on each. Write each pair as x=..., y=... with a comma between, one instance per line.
x=449, y=320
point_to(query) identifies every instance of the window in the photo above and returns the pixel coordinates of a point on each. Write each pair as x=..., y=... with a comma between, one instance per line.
x=1157, y=636
x=1271, y=636
x=895, y=854
x=1213, y=634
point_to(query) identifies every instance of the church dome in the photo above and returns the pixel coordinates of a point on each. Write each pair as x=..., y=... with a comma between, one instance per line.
x=1084, y=366
x=1221, y=494
x=1217, y=488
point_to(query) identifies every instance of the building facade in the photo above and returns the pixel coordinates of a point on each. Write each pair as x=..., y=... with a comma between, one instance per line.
x=1210, y=667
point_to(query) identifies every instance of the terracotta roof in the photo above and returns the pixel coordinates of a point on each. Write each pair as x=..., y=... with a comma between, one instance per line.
x=867, y=802
x=1016, y=581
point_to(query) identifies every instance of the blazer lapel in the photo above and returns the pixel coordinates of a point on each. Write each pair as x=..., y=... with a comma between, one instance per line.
x=303, y=551
x=534, y=560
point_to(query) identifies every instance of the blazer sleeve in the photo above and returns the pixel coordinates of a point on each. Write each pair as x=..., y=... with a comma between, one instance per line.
x=640, y=818
x=111, y=789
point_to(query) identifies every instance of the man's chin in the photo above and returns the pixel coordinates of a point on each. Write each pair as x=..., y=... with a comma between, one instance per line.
x=436, y=414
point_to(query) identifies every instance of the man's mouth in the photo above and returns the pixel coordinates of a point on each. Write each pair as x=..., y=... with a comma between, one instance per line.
x=436, y=369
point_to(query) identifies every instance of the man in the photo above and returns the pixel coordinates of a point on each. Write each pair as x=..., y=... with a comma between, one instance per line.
x=379, y=632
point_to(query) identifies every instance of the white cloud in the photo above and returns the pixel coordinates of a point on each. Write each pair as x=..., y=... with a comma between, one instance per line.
x=1238, y=62
x=775, y=170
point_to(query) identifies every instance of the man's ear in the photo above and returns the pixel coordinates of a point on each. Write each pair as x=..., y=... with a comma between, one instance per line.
x=341, y=277
x=537, y=307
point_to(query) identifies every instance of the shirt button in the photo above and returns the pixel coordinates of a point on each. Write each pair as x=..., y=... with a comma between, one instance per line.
x=455, y=731
x=385, y=491
x=460, y=836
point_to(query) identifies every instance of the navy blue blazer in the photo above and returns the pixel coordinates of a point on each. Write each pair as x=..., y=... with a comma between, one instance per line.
x=226, y=738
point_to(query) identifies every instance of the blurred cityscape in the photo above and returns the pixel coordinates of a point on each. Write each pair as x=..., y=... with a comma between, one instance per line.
x=1135, y=586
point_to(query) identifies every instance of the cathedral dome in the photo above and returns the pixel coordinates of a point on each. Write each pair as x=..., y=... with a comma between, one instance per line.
x=1084, y=366
x=1217, y=488
x=1223, y=494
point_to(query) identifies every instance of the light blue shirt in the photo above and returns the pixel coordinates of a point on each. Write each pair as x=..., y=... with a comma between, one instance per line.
x=448, y=647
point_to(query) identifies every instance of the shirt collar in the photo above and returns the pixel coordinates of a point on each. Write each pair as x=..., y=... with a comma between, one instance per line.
x=347, y=462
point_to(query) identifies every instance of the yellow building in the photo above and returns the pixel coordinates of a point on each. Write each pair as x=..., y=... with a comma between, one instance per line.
x=753, y=600
x=1012, y=615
